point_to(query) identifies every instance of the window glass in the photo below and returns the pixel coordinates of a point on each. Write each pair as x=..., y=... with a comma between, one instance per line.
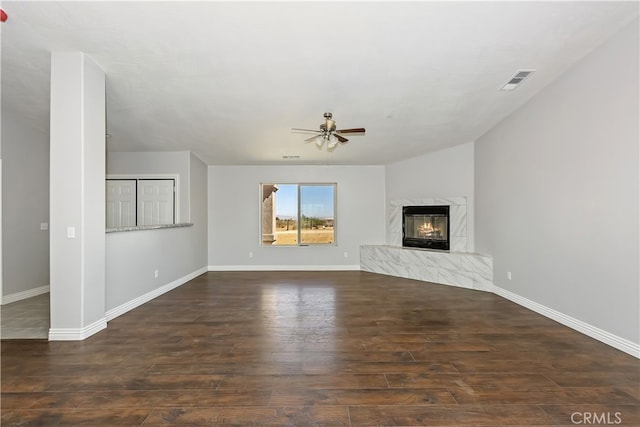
x=317, y=214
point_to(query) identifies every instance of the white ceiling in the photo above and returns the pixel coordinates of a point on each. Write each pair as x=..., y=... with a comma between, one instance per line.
x=227, y=80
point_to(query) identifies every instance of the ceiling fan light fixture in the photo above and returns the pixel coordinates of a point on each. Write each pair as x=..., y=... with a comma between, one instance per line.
x=320, y=141
x=332, y=141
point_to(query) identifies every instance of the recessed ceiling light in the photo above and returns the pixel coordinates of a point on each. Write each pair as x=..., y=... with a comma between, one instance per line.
x=517, y=79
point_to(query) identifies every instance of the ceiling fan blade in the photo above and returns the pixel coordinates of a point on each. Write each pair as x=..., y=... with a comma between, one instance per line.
x=305, y=130
x=312, y=138
x=354, y=130
x=342, y=139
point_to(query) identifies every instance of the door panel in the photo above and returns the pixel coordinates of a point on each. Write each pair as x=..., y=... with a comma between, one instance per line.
x=121, y=203
x=155, y=201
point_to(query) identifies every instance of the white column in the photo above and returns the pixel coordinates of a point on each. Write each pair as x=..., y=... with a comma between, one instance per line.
x=77, y=197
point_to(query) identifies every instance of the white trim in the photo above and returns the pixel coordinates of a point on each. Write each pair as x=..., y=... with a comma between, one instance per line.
x=83, y=198
x=29, y=293
x=608, y=338
x=77, y=334
x=188, y=178
x=142, y=299
x=352, y=267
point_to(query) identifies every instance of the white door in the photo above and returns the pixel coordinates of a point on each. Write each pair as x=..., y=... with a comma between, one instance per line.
x=155, y=201
x=121, y=203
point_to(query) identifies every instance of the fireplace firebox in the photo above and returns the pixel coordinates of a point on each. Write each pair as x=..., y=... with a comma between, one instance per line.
x=425, y=227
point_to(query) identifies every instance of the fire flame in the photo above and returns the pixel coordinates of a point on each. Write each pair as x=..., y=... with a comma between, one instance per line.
x=427, y=227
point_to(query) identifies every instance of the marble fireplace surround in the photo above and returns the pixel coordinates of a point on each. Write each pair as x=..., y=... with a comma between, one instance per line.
x=457, y=267
x=457, y=219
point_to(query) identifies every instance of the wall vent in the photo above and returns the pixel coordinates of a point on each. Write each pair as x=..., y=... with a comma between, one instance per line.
x=517, y=79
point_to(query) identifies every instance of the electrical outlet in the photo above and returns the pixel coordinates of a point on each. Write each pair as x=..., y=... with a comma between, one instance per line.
x=250, y=254
x=156, y=273
x=44, y=226
x=508, y=275
x=346, y=254
x=71, y=232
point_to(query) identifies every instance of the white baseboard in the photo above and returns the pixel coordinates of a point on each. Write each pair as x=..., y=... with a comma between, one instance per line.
x=608, y=338
x=130, y=305
x=77, y=334
x=353, y=267
x=29, y=293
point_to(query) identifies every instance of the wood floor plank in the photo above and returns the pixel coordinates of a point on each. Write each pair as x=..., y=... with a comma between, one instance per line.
x=460, y=416
x=319, y=348
x=551, y=395
x=93, y=417
x=118, y=382
x=303, y=382
x=255, y=416
x=293, y=397
x=496, y=381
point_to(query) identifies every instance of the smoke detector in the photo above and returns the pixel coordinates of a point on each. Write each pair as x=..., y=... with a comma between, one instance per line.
x=517, y=79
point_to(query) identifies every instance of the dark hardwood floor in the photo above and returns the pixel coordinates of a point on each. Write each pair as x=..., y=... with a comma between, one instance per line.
x=321, y=348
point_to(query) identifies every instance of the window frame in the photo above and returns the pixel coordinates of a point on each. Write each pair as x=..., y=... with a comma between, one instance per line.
x=299, y=213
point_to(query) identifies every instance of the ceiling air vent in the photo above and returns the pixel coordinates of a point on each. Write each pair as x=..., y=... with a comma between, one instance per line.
x=518, y=78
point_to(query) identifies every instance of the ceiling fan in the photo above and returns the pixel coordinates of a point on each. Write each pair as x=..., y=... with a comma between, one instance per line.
x=329, y=134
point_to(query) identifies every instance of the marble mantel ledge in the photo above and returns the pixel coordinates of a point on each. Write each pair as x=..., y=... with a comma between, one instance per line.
x=148, y=227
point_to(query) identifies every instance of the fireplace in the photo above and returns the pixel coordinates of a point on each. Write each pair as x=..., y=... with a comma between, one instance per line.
x=425, y=227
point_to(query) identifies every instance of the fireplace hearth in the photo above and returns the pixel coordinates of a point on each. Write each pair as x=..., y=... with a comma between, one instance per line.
x=425, y=227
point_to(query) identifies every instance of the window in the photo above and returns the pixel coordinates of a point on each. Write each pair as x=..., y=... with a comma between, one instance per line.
x=134, y=202
x=298, y=214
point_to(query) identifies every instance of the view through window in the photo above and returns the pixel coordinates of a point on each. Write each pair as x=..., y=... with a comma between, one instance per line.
x=298, y=214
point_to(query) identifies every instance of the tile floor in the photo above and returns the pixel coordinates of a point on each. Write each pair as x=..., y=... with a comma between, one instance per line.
x=28, y=318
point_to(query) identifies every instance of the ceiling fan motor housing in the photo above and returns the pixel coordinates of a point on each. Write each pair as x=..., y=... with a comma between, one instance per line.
x=329, y=124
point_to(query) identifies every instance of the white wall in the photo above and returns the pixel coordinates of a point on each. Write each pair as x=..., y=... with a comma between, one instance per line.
x=25, y=197
x=557, y=193
x=198, y=210
x=156, y=163
x=177, y=253
x=234, y=216
x=443, y=173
